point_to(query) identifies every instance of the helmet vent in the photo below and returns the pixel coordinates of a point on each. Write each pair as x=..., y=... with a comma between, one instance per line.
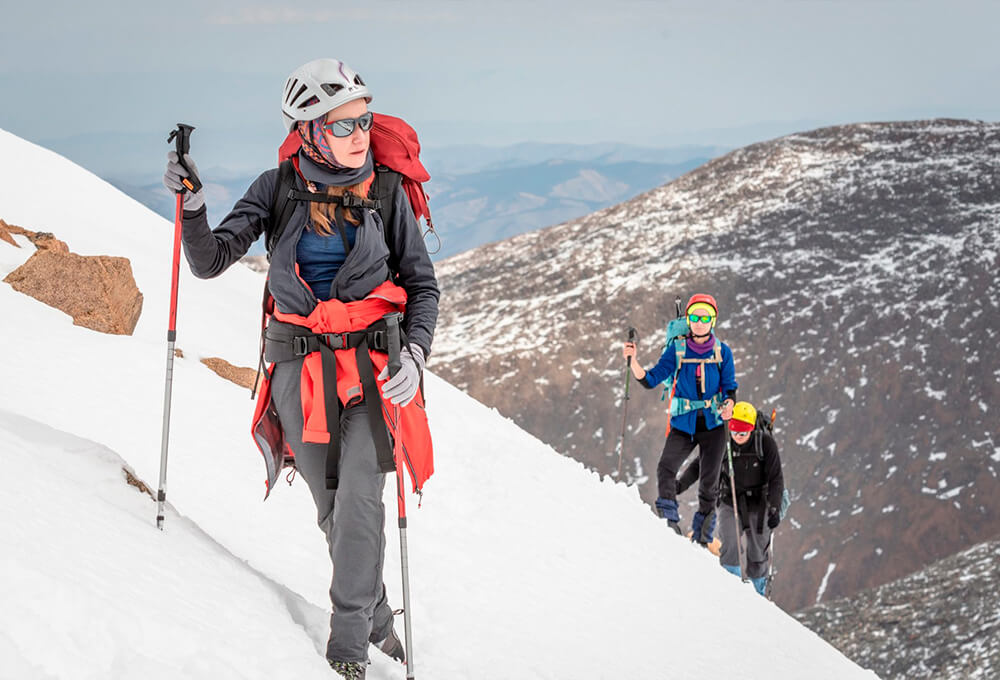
x=289, y=86
x=309, y=102
x=332, y=88
x=297, y=94
x=358, y=81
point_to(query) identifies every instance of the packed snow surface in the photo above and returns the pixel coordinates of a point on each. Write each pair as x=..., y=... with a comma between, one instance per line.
x=522, y=563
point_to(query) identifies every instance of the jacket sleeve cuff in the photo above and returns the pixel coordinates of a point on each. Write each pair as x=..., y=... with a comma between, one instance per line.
x=192, y=214
x=645, y=382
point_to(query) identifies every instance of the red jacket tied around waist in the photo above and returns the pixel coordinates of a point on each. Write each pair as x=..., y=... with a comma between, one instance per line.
x=334, y=316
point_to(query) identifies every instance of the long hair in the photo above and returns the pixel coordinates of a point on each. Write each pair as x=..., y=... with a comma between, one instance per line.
x=321, y=214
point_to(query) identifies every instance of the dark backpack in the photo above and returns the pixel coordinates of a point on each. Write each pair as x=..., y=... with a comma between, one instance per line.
x=764, y=425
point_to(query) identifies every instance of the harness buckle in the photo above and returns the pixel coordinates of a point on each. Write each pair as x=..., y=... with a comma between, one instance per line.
x=341, y=338
x=300, y=345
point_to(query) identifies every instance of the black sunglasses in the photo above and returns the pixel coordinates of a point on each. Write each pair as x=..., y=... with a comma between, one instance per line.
x=345, y=127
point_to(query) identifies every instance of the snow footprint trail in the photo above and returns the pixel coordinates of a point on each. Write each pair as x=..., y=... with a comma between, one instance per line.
x=101, y=594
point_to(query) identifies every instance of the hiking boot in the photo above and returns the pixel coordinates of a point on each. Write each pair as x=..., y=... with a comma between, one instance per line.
x=702, y=527
x=392, y=647
x=676, y=527
x=349, y=670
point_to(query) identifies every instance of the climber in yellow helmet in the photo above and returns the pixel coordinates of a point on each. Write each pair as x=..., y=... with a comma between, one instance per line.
x=759, y=489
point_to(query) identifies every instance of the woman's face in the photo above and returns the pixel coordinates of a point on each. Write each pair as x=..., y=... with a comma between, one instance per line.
x=699, y=328
x=350, y=151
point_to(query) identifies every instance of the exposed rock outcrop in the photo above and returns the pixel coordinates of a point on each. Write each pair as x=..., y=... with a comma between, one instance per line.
x=5, y=234
x=244, y=377
x=98, y=291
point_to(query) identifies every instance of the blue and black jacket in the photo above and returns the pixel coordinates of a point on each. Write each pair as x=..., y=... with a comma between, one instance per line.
x=720, y=379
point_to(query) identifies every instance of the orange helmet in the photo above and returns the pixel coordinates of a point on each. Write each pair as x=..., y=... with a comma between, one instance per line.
x=705, y=299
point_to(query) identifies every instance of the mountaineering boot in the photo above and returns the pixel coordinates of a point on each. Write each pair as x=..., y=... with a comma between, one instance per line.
x=349, y=670
x=667, y=509
x=702, y=527
x=392, y=646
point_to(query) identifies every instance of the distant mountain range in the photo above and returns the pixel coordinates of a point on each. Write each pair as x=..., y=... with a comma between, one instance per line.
x=856, y=270
x=472, y=209
x=482, y=194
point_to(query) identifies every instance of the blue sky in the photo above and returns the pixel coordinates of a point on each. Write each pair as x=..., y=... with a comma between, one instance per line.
x=105, y=80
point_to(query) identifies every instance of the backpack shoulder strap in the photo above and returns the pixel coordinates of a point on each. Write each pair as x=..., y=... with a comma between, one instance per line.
x=680, y=349
x=384, y=187
x=281, y=206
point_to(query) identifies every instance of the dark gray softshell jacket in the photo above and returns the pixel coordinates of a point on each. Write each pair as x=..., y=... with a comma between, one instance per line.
x=368, y=264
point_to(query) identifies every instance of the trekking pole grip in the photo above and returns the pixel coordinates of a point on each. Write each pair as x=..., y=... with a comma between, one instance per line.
x=633, y=337
x=181, y=136
x=392, y=333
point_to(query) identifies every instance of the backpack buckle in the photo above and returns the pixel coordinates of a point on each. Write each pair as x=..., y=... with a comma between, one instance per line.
x=380, y=343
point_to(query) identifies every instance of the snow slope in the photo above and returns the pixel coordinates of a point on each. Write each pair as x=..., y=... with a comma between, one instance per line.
x=511, y=556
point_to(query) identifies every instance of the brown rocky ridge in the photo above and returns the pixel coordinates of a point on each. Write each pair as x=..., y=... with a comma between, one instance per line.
x=942, y=622
x=855, y=267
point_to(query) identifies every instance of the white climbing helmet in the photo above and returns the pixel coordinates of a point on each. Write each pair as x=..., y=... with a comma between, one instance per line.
x=317, y=87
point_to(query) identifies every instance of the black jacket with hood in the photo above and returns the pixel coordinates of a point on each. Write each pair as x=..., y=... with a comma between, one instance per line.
x=758, y=477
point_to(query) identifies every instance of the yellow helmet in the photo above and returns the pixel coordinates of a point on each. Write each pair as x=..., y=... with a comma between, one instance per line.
x=745, y=413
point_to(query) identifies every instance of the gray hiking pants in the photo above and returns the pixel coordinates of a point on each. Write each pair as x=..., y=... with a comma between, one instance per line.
x=352, y=518
x=757, y=543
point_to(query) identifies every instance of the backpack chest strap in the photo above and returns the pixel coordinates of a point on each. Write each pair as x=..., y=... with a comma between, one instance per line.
x=679, y=405
x=345, y=200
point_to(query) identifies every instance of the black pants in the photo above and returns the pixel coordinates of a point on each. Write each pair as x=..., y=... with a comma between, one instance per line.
x=712, y=447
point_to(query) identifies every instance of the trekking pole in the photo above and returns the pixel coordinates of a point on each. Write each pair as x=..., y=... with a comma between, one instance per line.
x=632, y=337
x=736, y=512
x=392, y=331
x=770, y=564
x=770, y=571
x=181, y=136
x=673, y=386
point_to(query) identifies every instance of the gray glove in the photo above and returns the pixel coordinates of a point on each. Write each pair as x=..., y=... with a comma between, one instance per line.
x=172, y=180
x=401, y=389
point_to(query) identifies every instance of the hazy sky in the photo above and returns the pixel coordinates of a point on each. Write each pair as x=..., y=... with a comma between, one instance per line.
x=109, y=79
